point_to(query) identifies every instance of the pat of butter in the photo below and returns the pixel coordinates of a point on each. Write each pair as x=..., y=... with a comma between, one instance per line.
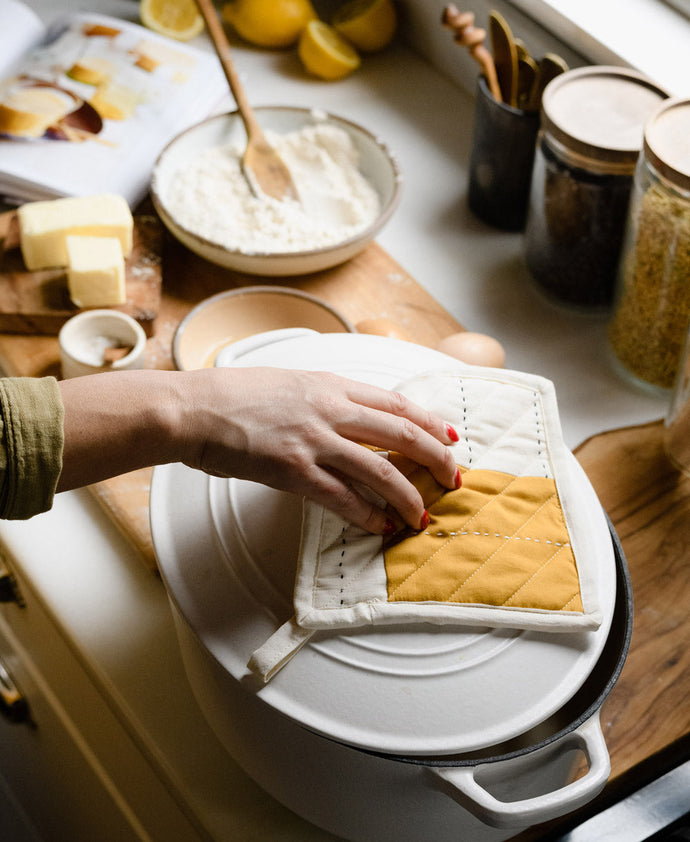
x=95, y=271
x=45, y=226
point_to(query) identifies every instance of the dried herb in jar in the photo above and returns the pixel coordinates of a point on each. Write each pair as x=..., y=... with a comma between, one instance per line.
x=590, y=139
x=575, y=230
x=648, y=327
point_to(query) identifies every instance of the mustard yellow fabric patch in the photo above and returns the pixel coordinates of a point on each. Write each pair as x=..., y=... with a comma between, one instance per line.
x=499, y=540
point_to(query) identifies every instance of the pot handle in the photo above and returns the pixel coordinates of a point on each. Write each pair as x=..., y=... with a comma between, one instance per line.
x=461, y=782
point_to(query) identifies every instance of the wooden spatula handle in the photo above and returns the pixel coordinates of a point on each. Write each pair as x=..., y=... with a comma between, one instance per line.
x=222, y=48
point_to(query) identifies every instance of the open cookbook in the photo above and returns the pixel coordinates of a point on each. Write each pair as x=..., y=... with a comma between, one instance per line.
x=88, y=103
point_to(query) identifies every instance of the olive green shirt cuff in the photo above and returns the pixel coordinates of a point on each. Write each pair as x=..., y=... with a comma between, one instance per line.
x=31, y=445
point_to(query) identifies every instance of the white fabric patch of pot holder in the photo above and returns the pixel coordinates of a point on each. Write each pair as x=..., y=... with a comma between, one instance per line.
x=508, y=427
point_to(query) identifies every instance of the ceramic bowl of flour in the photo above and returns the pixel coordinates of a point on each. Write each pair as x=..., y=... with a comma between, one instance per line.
x=347, y=179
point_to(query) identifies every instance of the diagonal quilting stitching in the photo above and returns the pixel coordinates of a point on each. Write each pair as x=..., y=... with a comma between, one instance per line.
x=498, y=550
x=533, y=576
x=506, y=431
x=572, y=599
x=451, y=539
x=529, y=410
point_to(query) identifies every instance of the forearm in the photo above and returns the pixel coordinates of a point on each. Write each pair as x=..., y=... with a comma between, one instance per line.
x=119, y=422
x=295, y=431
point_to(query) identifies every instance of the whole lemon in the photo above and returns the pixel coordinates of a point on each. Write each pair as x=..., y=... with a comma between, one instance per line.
x=269, y=23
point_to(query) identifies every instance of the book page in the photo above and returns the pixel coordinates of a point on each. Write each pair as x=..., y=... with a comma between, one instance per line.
x=21, y=29
x=90, y=109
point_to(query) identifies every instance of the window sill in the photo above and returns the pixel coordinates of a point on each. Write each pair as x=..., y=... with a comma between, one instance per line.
x=645, y=34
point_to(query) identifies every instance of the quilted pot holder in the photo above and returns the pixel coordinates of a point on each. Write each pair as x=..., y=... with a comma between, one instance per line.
x=510, y=548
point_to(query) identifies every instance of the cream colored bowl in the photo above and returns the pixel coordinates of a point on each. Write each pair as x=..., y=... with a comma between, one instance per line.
x=376, y=164
x=228, y=317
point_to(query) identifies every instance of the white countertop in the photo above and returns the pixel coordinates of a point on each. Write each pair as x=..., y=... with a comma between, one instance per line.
x=476, y=272
x=96, y=583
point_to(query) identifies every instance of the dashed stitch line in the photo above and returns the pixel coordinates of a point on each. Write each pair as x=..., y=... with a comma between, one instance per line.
x=465, y=424
x=450, y=540
x=514, y=535
x=340, y=565
x=540, y=434
x=325, y=558
x=455, y=533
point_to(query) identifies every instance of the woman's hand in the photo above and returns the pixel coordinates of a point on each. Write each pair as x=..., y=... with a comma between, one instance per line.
x=303, y=432
x=293, y=430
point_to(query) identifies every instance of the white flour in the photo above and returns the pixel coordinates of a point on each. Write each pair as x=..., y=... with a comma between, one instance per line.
x=211, y=197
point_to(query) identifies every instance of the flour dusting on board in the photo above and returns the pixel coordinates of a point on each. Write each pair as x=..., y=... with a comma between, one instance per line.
x=211, y=198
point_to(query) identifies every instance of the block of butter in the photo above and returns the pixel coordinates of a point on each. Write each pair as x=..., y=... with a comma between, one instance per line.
x=95, y=271
x=44, y=226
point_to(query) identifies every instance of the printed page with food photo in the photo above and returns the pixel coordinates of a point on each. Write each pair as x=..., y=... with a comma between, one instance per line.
x=88, y=103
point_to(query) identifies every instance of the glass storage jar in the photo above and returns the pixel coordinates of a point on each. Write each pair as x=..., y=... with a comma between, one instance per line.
x=592, y=121
x=652, y=310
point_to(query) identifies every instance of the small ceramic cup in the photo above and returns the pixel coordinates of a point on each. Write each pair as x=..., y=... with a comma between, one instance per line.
x=101, y=340
x=503, y=146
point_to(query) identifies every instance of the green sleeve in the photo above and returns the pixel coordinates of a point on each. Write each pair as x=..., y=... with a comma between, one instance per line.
x=31, y=443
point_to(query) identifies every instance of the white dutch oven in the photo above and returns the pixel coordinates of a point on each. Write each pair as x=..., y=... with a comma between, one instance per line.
x=402, y=734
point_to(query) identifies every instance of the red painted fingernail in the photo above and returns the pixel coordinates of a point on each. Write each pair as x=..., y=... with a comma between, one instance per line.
x=425, y=520
x=452, y=433
x=388, y=527
x=458, y=478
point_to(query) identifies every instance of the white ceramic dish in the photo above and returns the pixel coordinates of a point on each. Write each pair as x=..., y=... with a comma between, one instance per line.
x=465, y=688
x=216, y=323
x=227, y=552
x=376, y=163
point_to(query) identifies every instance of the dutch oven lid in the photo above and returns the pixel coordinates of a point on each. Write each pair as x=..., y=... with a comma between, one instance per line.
x=227, y=551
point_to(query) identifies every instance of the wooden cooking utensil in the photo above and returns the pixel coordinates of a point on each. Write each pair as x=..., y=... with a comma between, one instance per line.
x=550, y=66
x=470, y=36
x=505, y=56
x=263, y=167
x=528, y=71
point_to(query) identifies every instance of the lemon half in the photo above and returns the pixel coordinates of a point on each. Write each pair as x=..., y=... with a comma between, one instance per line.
x=368, y=24
x=325, y=53
x=178, y=19
x=268, y=23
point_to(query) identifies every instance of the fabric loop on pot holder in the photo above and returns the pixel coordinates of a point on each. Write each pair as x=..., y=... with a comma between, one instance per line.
x=510, y=548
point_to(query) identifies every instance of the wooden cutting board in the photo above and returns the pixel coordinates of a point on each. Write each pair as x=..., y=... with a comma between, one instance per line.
x=38, y=302
x=646, y=718
x=370, y=285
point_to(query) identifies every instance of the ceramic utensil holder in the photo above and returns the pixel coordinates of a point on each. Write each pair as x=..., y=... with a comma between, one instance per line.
x=503, y=147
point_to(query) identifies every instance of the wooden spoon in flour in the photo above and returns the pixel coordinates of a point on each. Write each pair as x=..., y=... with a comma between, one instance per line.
x=263, y=168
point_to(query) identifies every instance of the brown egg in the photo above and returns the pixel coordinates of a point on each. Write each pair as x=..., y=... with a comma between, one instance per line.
x=383, y=327
x=474, y=349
